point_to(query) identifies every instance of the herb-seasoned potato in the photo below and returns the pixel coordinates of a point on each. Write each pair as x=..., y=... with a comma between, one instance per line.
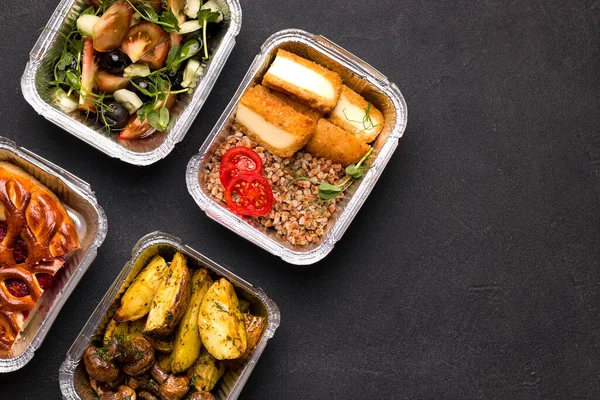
x=221, y=322
x=187, y=336
x=162, y=344
x=115, y=329
x=136, y=328
x=137, y=300
x=206, y=371
x=254, y=328
x=164, y=361
x=171, y=299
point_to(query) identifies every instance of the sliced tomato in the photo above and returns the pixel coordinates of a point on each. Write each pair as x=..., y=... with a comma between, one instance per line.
x=136, y=128
x=239, y=159
x=112, y=27
x=147, y=43
x=88, y=76
x=109, y=84
x=249, y=194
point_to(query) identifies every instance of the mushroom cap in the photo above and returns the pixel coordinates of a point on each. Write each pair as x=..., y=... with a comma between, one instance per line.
x=99, y=366
x=202, y=396
x=142, y=354
x=125, y=393
x=174, y=387
x=144, y=395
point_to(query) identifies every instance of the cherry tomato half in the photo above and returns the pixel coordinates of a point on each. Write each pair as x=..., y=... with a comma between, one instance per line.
x=239, y=159
x=249, y=194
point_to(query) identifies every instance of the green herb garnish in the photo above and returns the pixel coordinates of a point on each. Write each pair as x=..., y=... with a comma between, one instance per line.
x=327, y=191
x=178, y=54
x=357, y=170
x=366, y=122
x=204, y=17
x=221, y=307
x=166, y=20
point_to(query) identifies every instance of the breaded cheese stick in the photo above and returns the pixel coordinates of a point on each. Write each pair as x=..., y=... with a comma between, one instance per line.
x=311, y=83
x=354, y=114
x=336, y=144
x=272, y=122
x=300, y=107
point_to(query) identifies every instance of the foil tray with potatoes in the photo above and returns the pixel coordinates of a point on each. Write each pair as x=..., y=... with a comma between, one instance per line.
x=120, y=321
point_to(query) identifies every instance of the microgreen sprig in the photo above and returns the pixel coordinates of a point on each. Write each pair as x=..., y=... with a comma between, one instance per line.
x=367, y=121
x=159, y=89
x=205, y=16
x=357, y=170
x=179, y=54
x=166, y=19
x=327, y=191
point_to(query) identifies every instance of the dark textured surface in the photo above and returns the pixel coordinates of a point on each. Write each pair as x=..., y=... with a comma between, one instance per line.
x=472, y=272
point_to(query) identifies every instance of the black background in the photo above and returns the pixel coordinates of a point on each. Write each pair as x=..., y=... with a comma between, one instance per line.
x=471, y=272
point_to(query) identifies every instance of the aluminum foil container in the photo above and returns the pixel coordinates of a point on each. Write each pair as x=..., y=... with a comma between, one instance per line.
x=90, y=222
x=360, y=77
x=146, y=151
x=73, y=380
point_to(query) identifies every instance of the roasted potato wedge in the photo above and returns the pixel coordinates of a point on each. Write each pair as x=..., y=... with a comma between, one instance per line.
x=136, y=328
x=164, y=361
x=137, y=300
x=187, y=342
x=255, y=327
x=161, y=344
x=221, y=322
x=206, y=371
x=171, y=299
x=115, y=329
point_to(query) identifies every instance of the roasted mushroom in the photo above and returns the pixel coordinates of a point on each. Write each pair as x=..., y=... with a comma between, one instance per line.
x=144, y=395
x=201, y=396
x=105, y=393
x=139, y=356
x=100, y=388
x=125, y=393
x=172, y=387
x=143, y=382
x=99, y=365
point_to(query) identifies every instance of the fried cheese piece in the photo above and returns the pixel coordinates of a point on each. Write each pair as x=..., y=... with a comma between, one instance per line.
x=273, y=122
x=310, y=82
x=355, y=115
x=336, y=144
x=300, y=107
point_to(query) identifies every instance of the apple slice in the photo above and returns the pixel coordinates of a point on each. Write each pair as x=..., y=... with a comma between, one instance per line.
x=88, y=74
x=109, y=84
